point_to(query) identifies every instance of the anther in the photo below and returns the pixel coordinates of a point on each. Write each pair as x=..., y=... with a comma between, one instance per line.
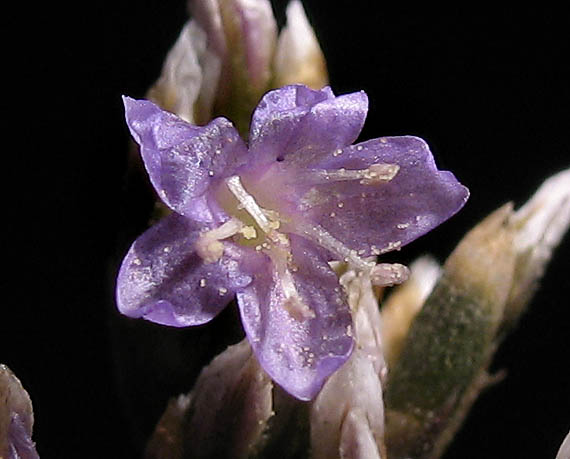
x=388, y=274
x=248, y=203
x=373, y=175
x=293, y=302
x=322, y=237
x=208, y=244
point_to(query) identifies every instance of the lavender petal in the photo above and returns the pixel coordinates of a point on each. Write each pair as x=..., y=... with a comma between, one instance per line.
x=376, y=218
x=299, y=354
x=183, y=160
x=164, y=280
x=295, y=122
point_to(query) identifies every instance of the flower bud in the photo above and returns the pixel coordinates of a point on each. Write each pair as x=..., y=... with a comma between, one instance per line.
x=168, y=437
x=539, y=226
x=486, y=283
x=224, y=416
x=401, y=307
x=16, y=418
x=564, y=451
x=347, y=417
x=298, y=57
x=229, y=55
x=221, y=63
x=189, y=77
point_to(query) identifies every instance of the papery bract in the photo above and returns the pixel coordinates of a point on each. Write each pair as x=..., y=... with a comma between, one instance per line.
x=263, y=220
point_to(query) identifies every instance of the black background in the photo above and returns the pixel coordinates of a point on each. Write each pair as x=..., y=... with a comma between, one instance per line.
x=488, y=89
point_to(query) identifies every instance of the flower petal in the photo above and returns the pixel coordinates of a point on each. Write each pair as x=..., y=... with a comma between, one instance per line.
x=164, y=280
x=376, y=218
x=182, y=160
x=301, y=124
x=298, y=354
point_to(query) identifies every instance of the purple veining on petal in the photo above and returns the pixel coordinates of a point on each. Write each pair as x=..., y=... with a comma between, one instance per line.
x=298, y=354
x=183, y=160
x=164, y=280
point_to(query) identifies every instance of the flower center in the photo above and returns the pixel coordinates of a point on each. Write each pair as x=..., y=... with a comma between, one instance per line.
x=258, y=227
x=254, y=226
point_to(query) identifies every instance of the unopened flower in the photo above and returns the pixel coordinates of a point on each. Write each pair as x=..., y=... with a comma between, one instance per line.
x=16, y=418
x=225, y=415
x=404, y=303
x=262, y=221
x=298, y=55
x=564, y=451
x=441, y=361
x=230, y=53
x=347, y=416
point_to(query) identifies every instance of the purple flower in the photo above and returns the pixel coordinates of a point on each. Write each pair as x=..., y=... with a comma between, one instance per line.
x=262, y=221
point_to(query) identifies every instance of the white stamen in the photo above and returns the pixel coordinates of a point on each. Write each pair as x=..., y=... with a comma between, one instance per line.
x=248, y=202
x=373, y=175
x=378, y=173
x=322, y=237
x=293, y=303
x=208, y=244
